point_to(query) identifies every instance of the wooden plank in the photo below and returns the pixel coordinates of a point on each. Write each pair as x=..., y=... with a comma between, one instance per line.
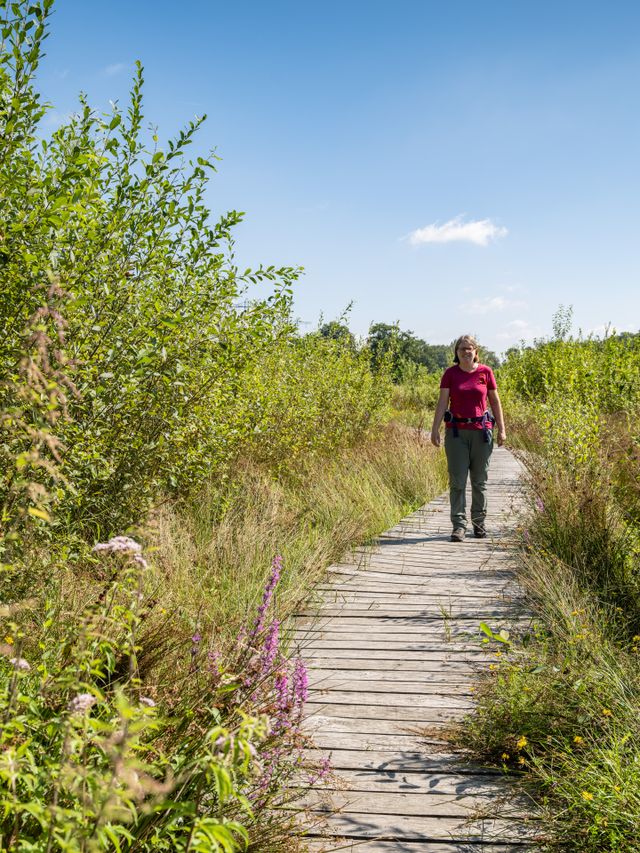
x=389, y=742
x=395, y=610
x=413, y=700
x=423, y=828
x=390, y=582
x=390, y=681
x=402, y=762
x=432, y=644
x=402, y=803
x=414, y=597
x=449, y=784
x=451, y=653
x=376, y=726
x=437, y=665
x=359, y=685
x=346, y=845
x=391, y=712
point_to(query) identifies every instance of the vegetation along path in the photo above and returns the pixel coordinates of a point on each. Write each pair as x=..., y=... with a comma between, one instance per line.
x=393, y=650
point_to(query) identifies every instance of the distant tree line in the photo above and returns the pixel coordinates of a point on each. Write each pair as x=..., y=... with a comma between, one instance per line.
x=387, y=341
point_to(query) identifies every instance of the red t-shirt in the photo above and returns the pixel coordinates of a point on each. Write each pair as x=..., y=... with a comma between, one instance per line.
x=468, y=392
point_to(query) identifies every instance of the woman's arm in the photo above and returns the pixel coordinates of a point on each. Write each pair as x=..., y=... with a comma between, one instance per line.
x=496, y=408
x=441, y=408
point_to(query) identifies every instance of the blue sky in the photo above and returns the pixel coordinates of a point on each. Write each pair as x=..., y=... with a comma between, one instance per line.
x=459, y=167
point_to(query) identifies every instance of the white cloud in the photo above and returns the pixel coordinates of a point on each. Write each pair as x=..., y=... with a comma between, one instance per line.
x=490, y=304
x=518, y=330
x=53, y=119
x=116, y=68
x=480, y=232
x=606, y=329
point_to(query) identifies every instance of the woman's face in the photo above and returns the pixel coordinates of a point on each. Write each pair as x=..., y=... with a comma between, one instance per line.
x=466, y=353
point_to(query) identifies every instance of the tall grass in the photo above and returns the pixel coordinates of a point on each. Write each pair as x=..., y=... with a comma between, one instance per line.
x=212, y=560
x=562, y=708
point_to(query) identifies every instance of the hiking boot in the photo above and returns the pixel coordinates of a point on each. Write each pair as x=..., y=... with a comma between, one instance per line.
x=479, y=531
x=458, y=534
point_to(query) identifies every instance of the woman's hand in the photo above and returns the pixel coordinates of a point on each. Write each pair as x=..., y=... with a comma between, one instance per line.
x=435, y=437
x=502, y=437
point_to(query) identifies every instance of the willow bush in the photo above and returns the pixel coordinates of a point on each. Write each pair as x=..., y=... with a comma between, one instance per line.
x=169, y=360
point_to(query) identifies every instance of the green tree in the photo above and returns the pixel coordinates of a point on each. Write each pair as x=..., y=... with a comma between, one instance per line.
x=337, y=331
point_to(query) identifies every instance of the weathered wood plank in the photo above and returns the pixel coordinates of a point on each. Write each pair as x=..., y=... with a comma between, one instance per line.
x=402, y=762
x=372, y=726
x=425, y=666
x=451, y=653
x=416, y=783
x=391, y=712
x=421, y=804
x=342, y=682
x=423, y=828
x=336, y=845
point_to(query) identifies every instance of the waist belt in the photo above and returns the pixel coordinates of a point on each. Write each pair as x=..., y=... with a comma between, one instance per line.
x=486, y=419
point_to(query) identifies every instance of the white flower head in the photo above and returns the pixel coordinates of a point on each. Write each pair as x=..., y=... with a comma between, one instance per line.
x=146, y=700
x=81, y=703
x=119, y=545
x=20, y=663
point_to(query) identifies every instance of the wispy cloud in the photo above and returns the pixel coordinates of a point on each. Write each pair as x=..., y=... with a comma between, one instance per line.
x=115, y=68
x=481, y=232
x=490, y=304
x=53, y=119
x=518, y=330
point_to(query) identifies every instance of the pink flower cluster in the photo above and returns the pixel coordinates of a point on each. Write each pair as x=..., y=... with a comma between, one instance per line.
x=123, y=545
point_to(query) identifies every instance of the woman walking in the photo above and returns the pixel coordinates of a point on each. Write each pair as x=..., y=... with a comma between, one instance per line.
x=465, y=389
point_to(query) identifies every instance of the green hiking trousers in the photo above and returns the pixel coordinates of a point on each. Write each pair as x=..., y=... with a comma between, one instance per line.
x=469, y=453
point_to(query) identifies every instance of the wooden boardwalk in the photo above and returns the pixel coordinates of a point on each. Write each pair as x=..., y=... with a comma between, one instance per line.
x=393, y=651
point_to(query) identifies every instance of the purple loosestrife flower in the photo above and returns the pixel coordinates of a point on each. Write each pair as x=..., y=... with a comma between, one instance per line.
x=195, y=647
x=282, y=692
x=20, y=663
x=320, y=772
x=276, y=569
x=214, y=665
x=539, y=504
x=270, y=648
x=283, y=702
x=300, y=684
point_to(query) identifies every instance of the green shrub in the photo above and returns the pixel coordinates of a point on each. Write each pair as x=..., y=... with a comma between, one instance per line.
x=562, y=705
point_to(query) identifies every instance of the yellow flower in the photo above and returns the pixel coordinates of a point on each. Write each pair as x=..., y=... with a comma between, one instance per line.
x=492, y=666
x=636, y=638
x=587, y=795
x=8, y=640
x=616, y=787
x=505, y=756
x=522, y=742
x=522, y=761
x=578, y=739
x=498, y=654
x=607, y=712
